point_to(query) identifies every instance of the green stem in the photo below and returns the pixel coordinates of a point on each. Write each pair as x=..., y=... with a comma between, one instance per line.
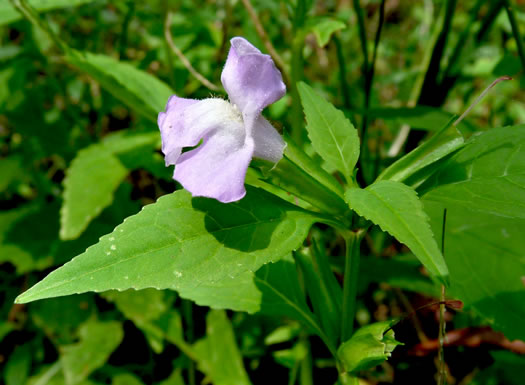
x=345, y=88
x=369, y=78
x=30, y=14
x=463, y=39
x=516, y=32
x=296, y=76
x=187, y=311
x=306, y=366
x=352, y=243
x=362, y=33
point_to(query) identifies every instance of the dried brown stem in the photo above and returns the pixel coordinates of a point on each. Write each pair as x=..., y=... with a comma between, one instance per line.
x=184, y=59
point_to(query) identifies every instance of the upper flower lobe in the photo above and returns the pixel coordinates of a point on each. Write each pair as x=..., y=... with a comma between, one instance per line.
x=230, y=134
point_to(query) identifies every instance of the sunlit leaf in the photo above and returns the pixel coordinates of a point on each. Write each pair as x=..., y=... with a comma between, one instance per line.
x=181, y=243
x=331, y=133
x=396, y=208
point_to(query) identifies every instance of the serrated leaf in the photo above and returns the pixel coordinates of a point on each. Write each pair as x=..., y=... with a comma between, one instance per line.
x=218, y=355
x=484, y=253
x=331, y=133
x=396, y=208
x=8, y=14
x=97, y=342
x=94, y=176
x=139, y=90
x=180, y=243
x=487, y=175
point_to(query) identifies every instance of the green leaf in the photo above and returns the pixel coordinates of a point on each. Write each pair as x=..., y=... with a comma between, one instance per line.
x=139, y=90
x=16, y=370
x=396, y=208
x=487, y=175
x=484, y=253
x=97, y=342
x=332, y=135
x=419, y=117
x=94, y=176
x=181, y=243
x=218, y=355
x=323, y=28
x=369, y=346
x=126, y=379
x=90, y=183
x=8, y=14
x=441, y=144
x=325, y=301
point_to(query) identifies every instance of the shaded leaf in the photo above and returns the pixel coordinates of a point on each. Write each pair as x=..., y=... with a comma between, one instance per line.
x=218, y=355
x=139, y=90
x=9, y=14
x=484, y=253
x=487, y=175
x=97, y=342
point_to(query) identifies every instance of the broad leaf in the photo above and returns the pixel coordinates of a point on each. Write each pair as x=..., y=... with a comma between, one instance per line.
x=487, y=175
x=139, y=90
x=97, y=342
x=369, y=346
x=332, y=135
x=181, y=243
x=9, y=14
x=218, y=355
x=441, y=144
x=94, y=176
x=396, y=208
x=484, y=253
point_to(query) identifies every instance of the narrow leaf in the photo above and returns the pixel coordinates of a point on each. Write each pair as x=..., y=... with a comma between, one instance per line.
x=331, y=133
x=139, y=90
x=8, y=14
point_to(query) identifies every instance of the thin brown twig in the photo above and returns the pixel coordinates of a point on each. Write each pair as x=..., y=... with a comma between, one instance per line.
x=184, y=59
x=279, y=62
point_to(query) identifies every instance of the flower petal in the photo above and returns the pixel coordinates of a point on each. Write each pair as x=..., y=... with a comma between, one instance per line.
x=171, y=125
x=217, y=168
x=250, y=78
x=187, y=121
x=269, y=144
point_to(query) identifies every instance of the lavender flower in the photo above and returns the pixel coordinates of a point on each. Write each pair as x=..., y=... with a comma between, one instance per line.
x=231, y=132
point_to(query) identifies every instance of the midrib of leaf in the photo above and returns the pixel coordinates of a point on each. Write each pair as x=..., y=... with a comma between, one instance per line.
x=405, y=225
x=62, y=283
x=339, y=149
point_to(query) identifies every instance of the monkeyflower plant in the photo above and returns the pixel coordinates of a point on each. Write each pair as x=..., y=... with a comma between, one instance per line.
x=236, y=236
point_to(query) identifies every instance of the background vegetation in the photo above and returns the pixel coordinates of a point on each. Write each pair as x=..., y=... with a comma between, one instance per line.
x=77, y=125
